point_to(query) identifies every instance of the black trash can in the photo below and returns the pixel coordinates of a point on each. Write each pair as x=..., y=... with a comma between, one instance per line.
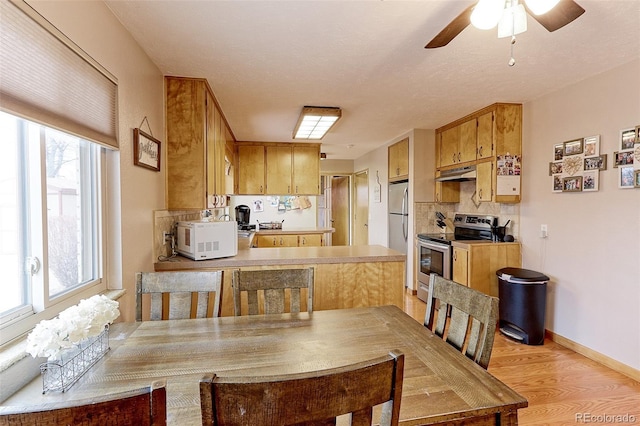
x=523, y=300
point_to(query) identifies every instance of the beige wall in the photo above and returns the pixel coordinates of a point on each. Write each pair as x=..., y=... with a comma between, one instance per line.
x=592, y=253
x=138, y=191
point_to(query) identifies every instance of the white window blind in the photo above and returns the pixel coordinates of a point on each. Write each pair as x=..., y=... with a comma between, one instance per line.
x=45, y=77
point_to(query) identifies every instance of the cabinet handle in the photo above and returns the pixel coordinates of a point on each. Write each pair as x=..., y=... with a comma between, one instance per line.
x=437, y=196
x=281, y=242
x=398, y=171
x=261, y=190
x=480, y=151
x=304, y=241
x=274, y=241
x=480, y=193
x=455, y=256
x=288, y=189
x=454, y=157
x=459, y=157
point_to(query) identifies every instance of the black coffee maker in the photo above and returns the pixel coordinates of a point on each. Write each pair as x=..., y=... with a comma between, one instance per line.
x=242, y=217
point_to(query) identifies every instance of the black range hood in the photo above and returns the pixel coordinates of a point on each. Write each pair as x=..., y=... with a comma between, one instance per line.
x=459, y=174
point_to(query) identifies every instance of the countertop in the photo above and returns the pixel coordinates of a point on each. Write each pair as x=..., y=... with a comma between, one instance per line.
x=289, y=256
x=294, y=231
x=468, y=243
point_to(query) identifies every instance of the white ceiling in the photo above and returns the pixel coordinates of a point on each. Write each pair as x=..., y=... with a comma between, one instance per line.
x=265, y=60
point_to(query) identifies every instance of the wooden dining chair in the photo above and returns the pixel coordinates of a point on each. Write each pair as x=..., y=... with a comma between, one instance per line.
x=270, y=285
x=139, y=407
x=179, y=295
x=464, y=317
x=312, y=398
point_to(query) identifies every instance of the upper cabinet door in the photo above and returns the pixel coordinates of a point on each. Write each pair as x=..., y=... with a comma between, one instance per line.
x=279, y=166
x=467, y=141
x=306, y=169
x=485, y=136
x=251, y=170
x=449, y=146
x=399, y=160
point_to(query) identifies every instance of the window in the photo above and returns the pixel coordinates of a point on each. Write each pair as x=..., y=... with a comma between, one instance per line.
x=50, y=220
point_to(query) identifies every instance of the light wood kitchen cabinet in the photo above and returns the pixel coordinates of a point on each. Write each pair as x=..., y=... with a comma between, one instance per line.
x=263, y=241
x=485, y=136
x=250, y=169
x=306, y=169
x=278, y=168
x=279, y=164
x=447, y=192
x=496, y=134
x=196, y=136
x=475, y=264
x=460, y=267
x=484, y=181
x=458, y=144
x=398, y=158
x=310, y=240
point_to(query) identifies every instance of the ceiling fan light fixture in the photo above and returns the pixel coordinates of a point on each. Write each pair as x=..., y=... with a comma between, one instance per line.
x=487, y=13
x=514, y=21
x=540, y=7
x=315, y=122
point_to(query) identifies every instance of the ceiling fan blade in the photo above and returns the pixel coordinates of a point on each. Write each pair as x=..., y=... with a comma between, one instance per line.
x=454, y=28
x=565, y=12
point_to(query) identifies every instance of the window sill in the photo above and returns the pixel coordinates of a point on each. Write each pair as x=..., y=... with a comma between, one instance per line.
x=15, y=353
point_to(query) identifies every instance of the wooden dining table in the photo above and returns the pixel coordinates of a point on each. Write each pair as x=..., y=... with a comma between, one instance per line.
x=440, y=384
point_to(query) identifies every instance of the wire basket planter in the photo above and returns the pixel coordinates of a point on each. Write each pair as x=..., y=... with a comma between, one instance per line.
x=59, y=375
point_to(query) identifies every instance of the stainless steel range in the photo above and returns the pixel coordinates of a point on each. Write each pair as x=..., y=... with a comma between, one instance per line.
x=434, y=250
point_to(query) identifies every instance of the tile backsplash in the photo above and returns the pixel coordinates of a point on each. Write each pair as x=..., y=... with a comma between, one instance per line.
x=425, y=213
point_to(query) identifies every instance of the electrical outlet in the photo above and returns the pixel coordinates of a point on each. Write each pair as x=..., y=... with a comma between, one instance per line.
x=167, y=236
x=544, y=232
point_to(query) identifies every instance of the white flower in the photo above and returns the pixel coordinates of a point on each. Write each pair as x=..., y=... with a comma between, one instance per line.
x=73, y=325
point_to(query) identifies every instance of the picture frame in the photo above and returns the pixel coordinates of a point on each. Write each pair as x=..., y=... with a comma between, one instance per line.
x=557, y=184
x=558, y=151
x=622, y=158
x=572, y=184
x=638, y=134
x=636, y=179
x=555, y=167
x=596, y=163
x=592, y=146
x=573, y=147
x=146, y=150
x=590, y=180
x=627, y=138
x=626, y=178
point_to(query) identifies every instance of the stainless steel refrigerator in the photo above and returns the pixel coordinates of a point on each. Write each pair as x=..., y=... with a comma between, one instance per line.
x=399, y=216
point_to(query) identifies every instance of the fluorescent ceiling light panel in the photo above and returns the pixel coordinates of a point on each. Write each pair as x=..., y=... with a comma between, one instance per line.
x=315, y=122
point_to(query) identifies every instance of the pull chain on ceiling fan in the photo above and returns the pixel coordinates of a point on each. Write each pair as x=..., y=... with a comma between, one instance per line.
x=510, y=16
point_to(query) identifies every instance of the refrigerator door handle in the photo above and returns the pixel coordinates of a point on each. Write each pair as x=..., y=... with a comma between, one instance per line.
x=405, y=222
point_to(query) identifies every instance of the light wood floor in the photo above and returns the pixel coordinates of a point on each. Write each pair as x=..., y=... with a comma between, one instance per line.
x=559, y=384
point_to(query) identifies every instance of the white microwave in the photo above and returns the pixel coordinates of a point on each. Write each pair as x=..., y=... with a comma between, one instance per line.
x=207, y=240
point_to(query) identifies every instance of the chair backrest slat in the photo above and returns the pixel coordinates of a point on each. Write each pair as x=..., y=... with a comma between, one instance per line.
x=144, y=407
x=272, y=286
x=312, y=398
x=464, y=317
x=179, y=295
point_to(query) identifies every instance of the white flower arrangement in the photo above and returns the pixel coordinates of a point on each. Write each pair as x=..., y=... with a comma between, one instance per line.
x=73, y=325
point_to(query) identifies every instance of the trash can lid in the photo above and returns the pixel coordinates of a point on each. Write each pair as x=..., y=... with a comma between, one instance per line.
x=519, y=275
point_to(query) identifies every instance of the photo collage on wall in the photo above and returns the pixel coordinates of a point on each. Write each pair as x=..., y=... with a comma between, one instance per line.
x=577, y=163
x=627, y=159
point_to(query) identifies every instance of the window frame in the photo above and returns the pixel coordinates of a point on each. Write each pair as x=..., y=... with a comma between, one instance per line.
x=43, y=306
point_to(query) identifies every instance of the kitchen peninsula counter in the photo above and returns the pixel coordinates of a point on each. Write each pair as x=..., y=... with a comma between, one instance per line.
x=294, y=231
x=345, y=276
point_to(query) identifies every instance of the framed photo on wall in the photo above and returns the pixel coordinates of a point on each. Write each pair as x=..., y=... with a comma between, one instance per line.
x=596, y=163
x=622, y=158
x=146, y=150
x=572, y=184
x=590, y=180
x=555, y=168
x=557, y=184
x=627, y=175
x=627, y=138
x=558, y=151
x=636, y=179
x=592, y=146
x=573, y=147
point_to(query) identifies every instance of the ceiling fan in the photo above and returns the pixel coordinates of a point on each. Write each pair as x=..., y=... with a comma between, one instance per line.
x=558, y=13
